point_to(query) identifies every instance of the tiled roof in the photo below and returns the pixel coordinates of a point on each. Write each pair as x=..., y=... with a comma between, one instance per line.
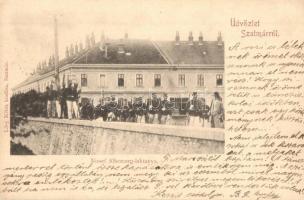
x=134, y=52
x=143, y=52
x=207, y=53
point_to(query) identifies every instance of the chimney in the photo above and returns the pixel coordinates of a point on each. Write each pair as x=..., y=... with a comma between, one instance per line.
x=67, y=54
x=219, y=39
x=80, y=46
x=76, y=49
x=53, y=60
x=39, y=66
x=56, y=55
x=50, y=62
x=126, y=36
x=200, y=39
x=71, y=50
x=88, y=45
x=190, y=38
x=44, y=64
x=92, y=39
x=177, y=38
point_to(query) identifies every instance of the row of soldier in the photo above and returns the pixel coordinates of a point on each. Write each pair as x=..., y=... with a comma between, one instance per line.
x=63, y=103
x=154, y=110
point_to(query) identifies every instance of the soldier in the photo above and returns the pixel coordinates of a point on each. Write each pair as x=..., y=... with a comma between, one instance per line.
x=124, y=111
x=131, y=111
x=217, y=112
x=40, y=105
x=166, y=110
x=75, y=94
x=104, y=110
x=53, y=96
x=35, y=103
x=97, y=110
x=205, y=114
x=111, y=109
x=100, y=110
x=154, y=109
x=86, y=110
x=62, y=100
x=48, y=97
x=69, y=100
x=57, y=99
x=140, y=110
x=194, y=108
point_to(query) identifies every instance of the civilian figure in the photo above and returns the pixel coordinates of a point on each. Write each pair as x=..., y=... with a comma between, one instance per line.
x=217, y=112
x=69, y=100
x=205, y=114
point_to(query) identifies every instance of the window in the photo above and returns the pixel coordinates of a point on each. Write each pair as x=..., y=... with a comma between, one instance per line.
x=121, y=80
x=181, y=80
x=157, y=80
x=219, y=80
x=102, y=80
x=200, y=80
x=84, y=80
x=139, y=80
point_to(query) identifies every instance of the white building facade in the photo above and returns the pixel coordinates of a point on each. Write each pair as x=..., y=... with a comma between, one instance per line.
x=131, y=68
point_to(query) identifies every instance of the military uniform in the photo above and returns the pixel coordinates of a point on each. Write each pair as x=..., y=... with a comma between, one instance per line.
x=100, y=111
x=154, y=105
x=194, y=109
x=124, y=112
x=75, y=99
x=166, y=111
x=57, y=98
x=52, y=98
x=131, y=112
x=48, y=97
x=86, y=110
x=62, y=101
x=69, y=101
x=112, y=110
x=140, y=110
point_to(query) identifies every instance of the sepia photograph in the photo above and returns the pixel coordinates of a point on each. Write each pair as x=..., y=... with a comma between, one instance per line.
x=105, y=93
x=139, y=99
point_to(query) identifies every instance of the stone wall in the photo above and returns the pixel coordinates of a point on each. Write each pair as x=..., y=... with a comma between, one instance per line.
x=83, y=137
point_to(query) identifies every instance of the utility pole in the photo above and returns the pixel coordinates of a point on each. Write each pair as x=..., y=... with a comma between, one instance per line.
x=57, y=81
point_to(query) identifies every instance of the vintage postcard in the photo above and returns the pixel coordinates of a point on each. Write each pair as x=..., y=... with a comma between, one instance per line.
x=152, y=99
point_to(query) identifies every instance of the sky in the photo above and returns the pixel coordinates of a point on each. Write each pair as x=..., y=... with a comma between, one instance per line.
x=27, y=27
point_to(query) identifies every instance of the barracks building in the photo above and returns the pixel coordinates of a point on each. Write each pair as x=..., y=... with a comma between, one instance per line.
x=133, y=67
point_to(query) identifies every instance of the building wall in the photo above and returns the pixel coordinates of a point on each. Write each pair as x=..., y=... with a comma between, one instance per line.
x=169, y=82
